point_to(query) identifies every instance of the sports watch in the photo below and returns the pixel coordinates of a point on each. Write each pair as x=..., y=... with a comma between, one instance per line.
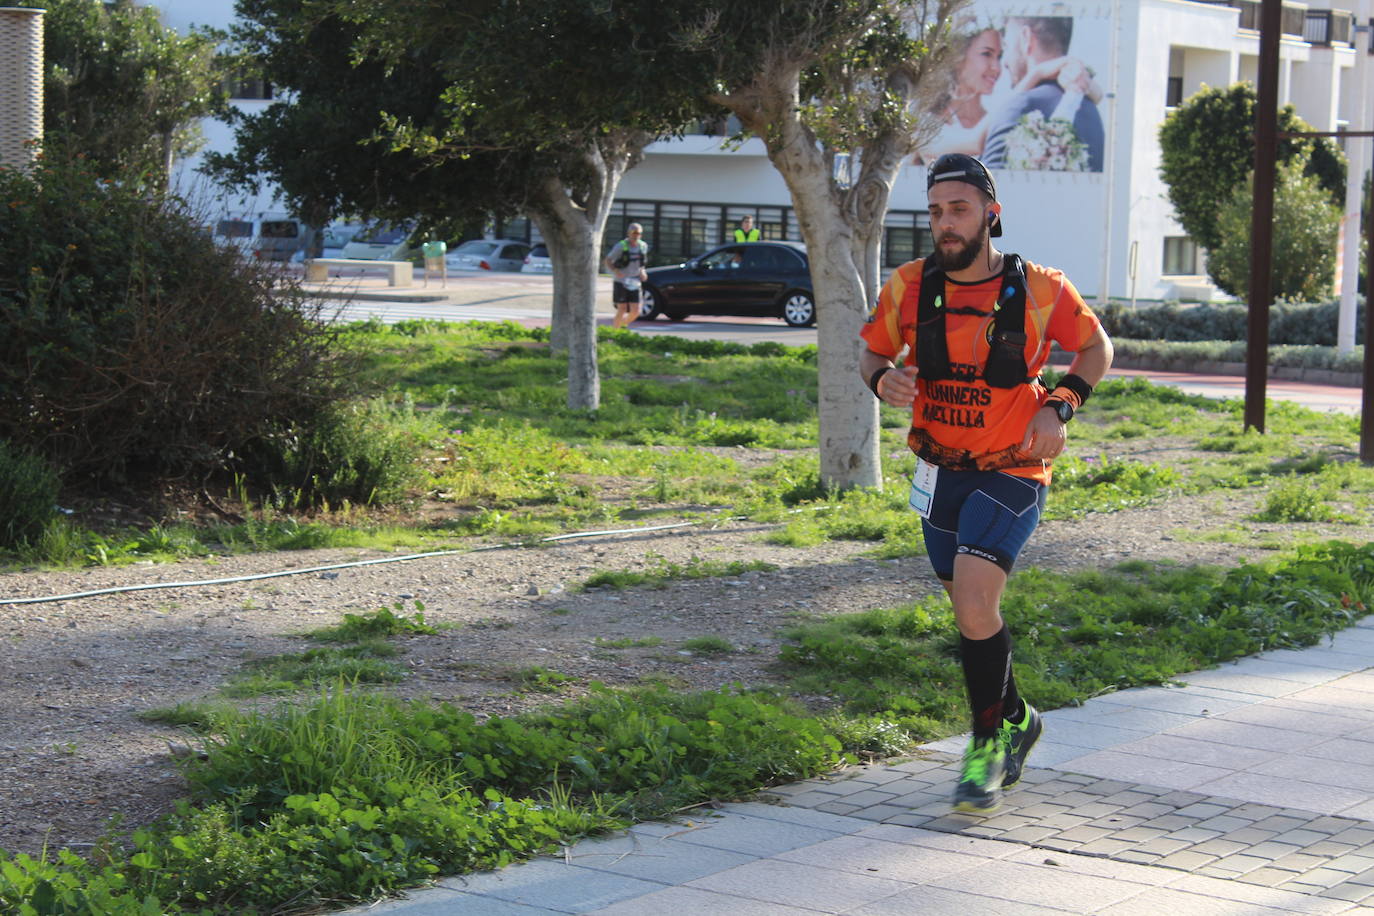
x=1062, y=409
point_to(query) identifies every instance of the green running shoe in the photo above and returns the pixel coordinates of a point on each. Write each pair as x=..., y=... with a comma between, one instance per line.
x=980, y=785
x=1019, y=738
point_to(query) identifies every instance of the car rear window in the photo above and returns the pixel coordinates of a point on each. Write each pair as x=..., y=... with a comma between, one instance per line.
x=539, y=251
x=234, y=229
x=280, y=229
x=474, y=247
x=383, y=235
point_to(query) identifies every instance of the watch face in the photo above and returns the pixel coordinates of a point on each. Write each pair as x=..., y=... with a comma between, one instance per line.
x=1063, y=409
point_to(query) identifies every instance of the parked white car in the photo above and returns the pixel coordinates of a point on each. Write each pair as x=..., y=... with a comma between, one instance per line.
x=488, y=254
x=381, y=242
x=538, y=261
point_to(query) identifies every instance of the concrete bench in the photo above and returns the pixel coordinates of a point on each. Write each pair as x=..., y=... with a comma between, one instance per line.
x=398, y=273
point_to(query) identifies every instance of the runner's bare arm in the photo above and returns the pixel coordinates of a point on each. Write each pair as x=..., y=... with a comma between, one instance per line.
x=897, y=387
x=1044, y=438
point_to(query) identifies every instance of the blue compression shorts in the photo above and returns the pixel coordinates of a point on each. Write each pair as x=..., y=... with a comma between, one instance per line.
x=988, y=514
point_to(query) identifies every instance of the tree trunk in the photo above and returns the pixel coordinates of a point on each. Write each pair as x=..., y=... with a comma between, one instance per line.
x=572, y=220
x=848, y=412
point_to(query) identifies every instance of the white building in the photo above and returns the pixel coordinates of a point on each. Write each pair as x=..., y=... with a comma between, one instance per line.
x=1111, y=230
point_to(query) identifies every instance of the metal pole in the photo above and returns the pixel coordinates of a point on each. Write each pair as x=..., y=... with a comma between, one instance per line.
x=1262, y=218
x=1367, y=401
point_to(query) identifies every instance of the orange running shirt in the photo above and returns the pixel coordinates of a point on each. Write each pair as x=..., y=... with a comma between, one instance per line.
x=970, y=424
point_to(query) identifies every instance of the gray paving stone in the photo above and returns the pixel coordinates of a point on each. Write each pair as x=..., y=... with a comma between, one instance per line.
x=1330, y=848
x=1203, y=810
x=870, y=856
x=1084, y=834
x=1268, y=876
x=1225, y=823
x=1242, y=863
x=1118, y=822
x=556, y=886
x=1170, y=822
x=1353, y=863
x=1162, y=846
x=1136, y=855
x=1042, y=886
x=1301, y=837
x=1064, y=821
x=1272, y=851
x=868, y=796
x=1352, y=892
x=1187, y=860
x=1031, y=833
x=1148, y=809
x=1251, y=836
x=1328, y=877
x=804, y=886
x=1220, y=847
x=691, y=901
x=1299, y=862
x=837, y=807
x=1043, y=809
x=1193, y=835
x=935, y=901
x=753, y=835
x=662, y=861
x=1107, y=846
x=879, y=812
x=1096, y=809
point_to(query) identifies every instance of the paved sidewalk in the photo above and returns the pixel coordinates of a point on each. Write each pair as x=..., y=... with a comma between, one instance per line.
x=1248, y=791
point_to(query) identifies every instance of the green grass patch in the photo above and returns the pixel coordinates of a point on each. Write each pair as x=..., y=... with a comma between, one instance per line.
x=662, y=572
x=1082, y=634
x=380, y=624
x=368, y=662
x=708, y=645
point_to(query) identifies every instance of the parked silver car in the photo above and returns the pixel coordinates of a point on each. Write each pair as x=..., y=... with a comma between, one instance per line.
x=488, y=254
x=538, y=261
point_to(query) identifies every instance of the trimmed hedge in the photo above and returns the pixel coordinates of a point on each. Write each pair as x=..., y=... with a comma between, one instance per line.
x=1304, y=325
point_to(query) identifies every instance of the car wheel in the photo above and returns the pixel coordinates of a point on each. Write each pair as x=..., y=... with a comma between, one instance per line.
x=648, y=304
x=799, y=309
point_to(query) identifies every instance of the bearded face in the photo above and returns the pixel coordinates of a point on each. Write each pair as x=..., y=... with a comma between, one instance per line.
x=953, y=252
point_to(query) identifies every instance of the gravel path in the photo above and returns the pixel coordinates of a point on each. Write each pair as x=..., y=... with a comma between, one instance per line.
x=73, y=752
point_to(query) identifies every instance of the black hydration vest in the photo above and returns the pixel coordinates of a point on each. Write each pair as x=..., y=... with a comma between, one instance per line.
x=1006, y=365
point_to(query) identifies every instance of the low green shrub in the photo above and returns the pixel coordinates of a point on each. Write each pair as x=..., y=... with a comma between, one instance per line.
x=358, y=453
x=1289, y=324
x=28, y=496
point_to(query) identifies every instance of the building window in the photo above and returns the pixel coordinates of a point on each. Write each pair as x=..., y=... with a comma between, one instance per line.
x=1173, y=92
x=1181, y=256
x=248, y=88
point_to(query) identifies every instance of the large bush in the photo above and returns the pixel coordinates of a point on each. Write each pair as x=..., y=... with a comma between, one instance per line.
x=135, y=344
x=1207, y=146
x=1305, y=223
x=28, y=496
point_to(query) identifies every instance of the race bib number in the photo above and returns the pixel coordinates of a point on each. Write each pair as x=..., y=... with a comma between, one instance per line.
x=923, y=487
x=630, y=283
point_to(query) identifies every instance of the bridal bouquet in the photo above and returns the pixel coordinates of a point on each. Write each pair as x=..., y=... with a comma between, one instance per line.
x=1046, y=145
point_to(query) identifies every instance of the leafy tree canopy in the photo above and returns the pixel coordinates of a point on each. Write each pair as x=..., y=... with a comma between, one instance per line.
x=1305, y=225
x=123, y=90
x=1208, y=143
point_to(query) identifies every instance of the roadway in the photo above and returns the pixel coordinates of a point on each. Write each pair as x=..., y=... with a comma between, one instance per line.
x=527, y=300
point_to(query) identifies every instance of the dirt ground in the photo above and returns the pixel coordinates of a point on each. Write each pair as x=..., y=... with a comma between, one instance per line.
x=73, y=751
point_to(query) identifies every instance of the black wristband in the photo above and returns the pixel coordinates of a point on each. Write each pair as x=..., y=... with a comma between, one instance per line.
x=1079, y=387
x=873, y=381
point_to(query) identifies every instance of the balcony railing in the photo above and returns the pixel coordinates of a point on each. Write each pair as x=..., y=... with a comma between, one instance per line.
x=1329, y=27
x=1294, y=17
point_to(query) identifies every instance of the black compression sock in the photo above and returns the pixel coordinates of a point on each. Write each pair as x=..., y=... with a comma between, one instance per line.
x=987, y=670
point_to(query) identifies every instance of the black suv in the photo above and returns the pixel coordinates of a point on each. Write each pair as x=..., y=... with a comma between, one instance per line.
x=765, y=279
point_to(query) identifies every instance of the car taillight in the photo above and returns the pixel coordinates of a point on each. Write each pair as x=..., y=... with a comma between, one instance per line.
x=484, y=265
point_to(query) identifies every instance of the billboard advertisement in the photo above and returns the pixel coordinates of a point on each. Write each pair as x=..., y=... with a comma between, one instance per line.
x=1024, y=90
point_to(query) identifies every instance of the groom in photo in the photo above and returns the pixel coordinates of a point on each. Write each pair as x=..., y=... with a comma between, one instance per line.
x=1030, y=40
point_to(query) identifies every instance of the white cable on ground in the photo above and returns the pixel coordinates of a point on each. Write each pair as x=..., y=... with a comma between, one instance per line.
x=297, y=572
